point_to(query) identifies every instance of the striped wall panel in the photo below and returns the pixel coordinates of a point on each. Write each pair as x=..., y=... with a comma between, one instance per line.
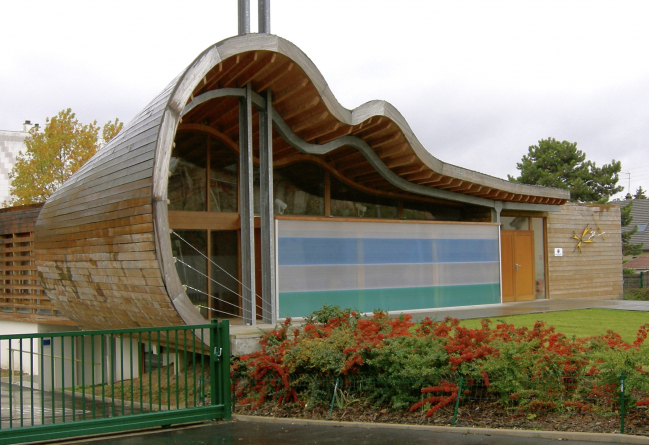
x=391, y=266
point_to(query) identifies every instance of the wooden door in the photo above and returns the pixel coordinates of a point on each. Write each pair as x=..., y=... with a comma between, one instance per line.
x=507, y=264
x=517, y=265
x=524, y=265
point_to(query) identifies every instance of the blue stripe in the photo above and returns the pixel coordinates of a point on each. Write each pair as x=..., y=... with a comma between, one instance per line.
x=352, y=251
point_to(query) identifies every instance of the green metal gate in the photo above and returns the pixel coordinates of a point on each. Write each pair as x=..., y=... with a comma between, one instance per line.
x=66, y=384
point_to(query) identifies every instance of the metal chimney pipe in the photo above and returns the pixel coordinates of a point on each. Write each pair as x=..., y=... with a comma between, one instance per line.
x=244, y=17
x=264, y=16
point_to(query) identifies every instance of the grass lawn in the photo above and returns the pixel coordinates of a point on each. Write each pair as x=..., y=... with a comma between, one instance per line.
x=580, y=323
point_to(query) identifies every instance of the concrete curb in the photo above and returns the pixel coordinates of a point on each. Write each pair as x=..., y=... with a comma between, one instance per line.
x=556, y=435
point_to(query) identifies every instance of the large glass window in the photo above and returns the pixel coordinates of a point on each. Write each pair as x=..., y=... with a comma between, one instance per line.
x=223, y=178
x=346, y=201
x=426, y=211
x=224, y=273
x=187, y=183
x=192, y=265
x=188, y=189
x=299, y=190
x=514, y=223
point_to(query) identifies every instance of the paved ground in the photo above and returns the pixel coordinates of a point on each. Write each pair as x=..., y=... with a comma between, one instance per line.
x=26, y=407
x=287, y=433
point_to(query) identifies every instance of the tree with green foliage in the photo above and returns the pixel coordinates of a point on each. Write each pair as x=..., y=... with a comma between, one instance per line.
x=627, y=247
x=560, y=164
x=54, y=154
x=640, y=194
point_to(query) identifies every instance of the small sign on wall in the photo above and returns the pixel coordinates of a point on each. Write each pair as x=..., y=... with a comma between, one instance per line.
x=558, y=251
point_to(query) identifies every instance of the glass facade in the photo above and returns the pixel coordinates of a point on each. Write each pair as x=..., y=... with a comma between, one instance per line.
x=368, y=265
x=299, y=190
x=514, y=223
x=224, y=273
x=192, y=265
x=223, y=178
x=349, y=202
x=188, y=189
x=187, y=183
x=426, y=211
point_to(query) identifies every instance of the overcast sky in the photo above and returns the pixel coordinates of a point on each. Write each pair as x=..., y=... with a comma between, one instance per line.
x=478, y=81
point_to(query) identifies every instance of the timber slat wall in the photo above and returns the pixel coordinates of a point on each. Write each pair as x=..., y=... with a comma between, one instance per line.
x=94, y=237
x=22, y=298
x=594, y=273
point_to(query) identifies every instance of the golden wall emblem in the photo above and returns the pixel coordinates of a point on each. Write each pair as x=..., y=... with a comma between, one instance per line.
x=588, y=235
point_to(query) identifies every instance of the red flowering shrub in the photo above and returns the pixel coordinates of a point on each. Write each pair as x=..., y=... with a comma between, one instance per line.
x=533, y=369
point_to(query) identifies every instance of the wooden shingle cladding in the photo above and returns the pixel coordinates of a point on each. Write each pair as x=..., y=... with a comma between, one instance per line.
x=594, y=273
x=94, y=237
x=22, y=298
x=102, y=240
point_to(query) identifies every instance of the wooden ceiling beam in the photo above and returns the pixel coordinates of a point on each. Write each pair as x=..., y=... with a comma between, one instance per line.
x=446, y=184
x=363, y=171
x=310, y=121
x=475, y=189
x=276, y=76
x=352, y=164
x=462, y=186
x=410, y=169
x=253, y=74
x=348, y=157
x=302, y=107
x=341, y=131
x=393, y=150
x=229, y=78
x=373, y=130
x=289, y=92
x=387, y=140
x=398, y=162
x=367, y=125
x=419, y=175
x=443, y=181
x=312, y=136
x=223, y=70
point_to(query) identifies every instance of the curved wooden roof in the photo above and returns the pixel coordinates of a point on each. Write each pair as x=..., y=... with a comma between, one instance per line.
x=102, y=240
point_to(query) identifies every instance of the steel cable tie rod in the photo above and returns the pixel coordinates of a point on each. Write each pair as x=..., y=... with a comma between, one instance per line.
x=212, y=262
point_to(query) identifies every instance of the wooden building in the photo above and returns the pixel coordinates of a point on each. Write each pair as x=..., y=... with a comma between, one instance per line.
x=244, y=189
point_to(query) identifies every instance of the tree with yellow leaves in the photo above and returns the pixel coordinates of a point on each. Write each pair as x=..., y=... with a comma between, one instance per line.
x=54, y=154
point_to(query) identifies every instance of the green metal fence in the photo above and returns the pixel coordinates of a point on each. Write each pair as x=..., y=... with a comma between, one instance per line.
x=56, y=385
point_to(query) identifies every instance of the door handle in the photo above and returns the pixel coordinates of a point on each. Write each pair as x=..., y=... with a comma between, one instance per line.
x=517, y=266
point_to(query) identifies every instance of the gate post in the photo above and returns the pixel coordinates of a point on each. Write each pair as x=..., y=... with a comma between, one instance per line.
x=220, y=366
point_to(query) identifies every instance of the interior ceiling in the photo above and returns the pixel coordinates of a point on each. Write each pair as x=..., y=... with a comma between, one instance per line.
x=296, y=99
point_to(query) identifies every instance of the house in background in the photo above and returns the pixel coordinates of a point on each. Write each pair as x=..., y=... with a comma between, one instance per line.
x=11, y=143
x=640, y=214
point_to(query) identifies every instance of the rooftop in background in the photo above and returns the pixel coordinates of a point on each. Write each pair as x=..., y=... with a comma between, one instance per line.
x=640, y=214
x=641, y=263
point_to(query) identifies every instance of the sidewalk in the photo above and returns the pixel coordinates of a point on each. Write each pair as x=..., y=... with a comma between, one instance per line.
x=247, y=430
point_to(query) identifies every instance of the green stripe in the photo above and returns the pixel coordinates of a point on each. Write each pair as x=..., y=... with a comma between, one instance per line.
x=299, y=304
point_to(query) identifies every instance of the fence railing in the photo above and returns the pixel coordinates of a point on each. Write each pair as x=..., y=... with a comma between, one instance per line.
x=596, y=403
x=636, y=281
x=56, y=385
